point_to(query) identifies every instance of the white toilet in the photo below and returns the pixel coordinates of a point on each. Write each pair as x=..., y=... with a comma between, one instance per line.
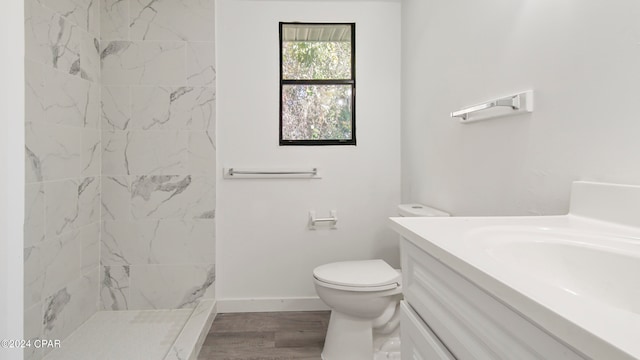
x=364, y=297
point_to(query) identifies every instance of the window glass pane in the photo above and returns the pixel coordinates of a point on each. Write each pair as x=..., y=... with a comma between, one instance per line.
x=316, y=112
x=316, y=51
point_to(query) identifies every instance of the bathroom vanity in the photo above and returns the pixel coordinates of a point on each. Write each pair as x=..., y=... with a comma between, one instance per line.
x=538, y=287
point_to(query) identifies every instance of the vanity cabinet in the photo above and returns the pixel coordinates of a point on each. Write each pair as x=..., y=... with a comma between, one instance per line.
x=418, y=341
x=448, y=317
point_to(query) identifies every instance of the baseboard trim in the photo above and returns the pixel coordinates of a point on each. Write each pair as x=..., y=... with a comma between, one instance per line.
x=270, y=305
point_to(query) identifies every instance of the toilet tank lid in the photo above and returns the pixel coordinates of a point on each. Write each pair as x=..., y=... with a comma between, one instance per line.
x=418, y=210
x=360, y=273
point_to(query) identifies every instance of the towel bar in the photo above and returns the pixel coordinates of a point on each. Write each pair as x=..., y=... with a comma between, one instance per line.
x=521, y=102
x=233, y=173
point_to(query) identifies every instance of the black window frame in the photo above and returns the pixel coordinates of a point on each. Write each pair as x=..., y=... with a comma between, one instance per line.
x=351, y=82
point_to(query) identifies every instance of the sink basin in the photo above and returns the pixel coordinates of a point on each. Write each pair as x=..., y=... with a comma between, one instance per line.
x=600, y=267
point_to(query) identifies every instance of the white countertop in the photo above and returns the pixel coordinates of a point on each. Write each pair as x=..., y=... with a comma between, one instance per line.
x=591, y=327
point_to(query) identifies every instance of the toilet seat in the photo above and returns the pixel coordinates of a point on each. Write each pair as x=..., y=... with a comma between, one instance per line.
x=358, y=288
x=364, y=275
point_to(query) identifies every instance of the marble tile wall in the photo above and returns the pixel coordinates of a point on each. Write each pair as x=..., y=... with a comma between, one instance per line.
x=158, y=153
x=63, y=167
x=120, y=159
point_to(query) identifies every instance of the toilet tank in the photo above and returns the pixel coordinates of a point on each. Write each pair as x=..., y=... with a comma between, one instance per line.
x=419, y=210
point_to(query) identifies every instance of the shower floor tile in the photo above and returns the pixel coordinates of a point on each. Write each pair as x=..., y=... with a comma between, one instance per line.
x=266, y=336
x=117, y=335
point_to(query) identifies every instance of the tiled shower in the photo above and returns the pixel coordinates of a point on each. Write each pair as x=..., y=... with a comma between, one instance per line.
x=120, y=144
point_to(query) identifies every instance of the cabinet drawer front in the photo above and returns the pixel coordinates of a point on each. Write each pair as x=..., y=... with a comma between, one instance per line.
x=418, y=341
x=471, y=323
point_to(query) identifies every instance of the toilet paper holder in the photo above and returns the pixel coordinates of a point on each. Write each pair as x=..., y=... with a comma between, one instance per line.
x=314, y=221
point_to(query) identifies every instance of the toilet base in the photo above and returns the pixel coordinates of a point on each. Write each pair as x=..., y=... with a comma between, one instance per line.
x=348, y=338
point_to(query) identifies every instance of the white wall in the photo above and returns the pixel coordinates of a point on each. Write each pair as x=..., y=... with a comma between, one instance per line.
x=11, y=174
x=264, y=248
x=582, y=58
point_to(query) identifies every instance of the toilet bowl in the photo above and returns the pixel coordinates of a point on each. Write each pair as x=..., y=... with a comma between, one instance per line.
x=364, y=297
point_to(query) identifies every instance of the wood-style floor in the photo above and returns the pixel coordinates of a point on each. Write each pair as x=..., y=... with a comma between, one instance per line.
x=266, y=336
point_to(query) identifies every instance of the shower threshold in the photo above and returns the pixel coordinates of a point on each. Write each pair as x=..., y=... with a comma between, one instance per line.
x=139, y=334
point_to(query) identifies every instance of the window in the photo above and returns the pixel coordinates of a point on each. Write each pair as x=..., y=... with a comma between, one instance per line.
x=317, y=84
